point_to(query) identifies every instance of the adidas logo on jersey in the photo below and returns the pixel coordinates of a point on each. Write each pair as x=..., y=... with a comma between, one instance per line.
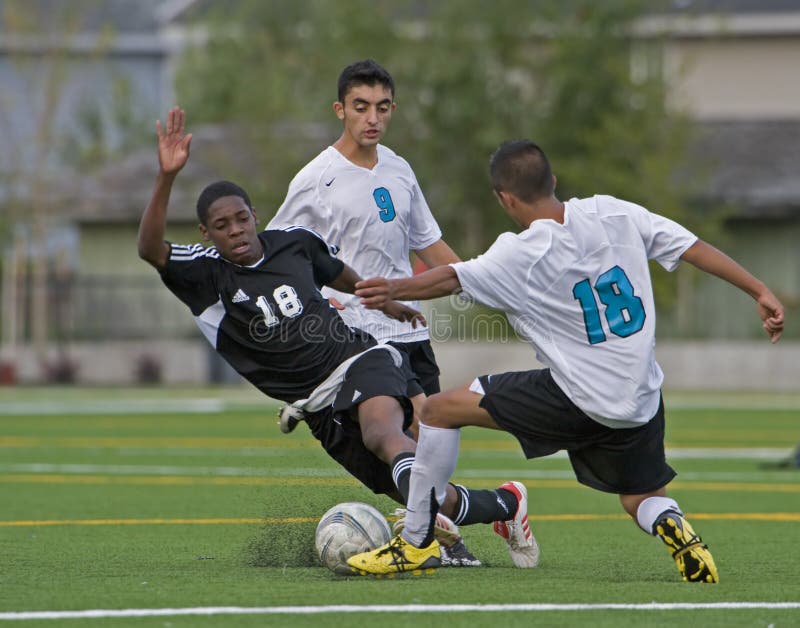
x=240, y=297
x=356, y=395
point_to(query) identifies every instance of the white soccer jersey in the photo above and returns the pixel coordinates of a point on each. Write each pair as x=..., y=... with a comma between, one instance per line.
x=581, y=294
x=374, y=217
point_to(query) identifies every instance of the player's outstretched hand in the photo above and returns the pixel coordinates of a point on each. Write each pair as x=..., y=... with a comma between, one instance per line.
x=173, y=145
x=374, y=292
x=403, y=313
x=770, y=311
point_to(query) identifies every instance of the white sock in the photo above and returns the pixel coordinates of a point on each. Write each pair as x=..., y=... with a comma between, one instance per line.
x=651, y=509
x=434, y=464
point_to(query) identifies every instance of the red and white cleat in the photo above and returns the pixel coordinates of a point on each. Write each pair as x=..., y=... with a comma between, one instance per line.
x=522, y=545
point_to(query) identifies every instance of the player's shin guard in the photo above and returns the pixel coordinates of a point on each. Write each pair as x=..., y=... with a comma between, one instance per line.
x=436, y=457
x=651, y=508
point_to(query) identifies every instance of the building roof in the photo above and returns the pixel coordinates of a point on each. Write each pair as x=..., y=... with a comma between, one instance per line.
x=749, y=165
x=752, y=165
x=732, y=6
x=120, y=191
x=120, y=15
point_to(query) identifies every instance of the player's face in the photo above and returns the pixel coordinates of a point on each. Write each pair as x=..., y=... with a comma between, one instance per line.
x=366, y=112
x=231, y=226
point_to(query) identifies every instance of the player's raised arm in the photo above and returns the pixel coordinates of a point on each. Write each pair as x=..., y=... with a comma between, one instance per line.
x=713, y=261
x=437, y=282
x=173, y=153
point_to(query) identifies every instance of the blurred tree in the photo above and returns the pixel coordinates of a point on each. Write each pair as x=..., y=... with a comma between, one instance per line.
x=567, y=74
x=104, y=132
x=39, y=159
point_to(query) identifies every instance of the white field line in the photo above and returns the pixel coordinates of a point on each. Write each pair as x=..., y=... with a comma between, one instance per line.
x=724, y=453
x=131, y=469
x=205, y=471
x=112, y=406
x=192, y=471
x=205, y=405
x=702, y=476
x=732, y=403
x=410, y=608
x=673, y=453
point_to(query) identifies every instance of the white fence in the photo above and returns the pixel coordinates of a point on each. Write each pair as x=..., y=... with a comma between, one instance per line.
x=688, y=365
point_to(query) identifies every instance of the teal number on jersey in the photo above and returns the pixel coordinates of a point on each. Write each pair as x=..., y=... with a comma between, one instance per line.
x=591, y=315
x=384, y=202
x=624, y=311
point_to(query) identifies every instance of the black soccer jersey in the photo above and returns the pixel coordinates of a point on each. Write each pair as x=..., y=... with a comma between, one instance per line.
x=269, y=321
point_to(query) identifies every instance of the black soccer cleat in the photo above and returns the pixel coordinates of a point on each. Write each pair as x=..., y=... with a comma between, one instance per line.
x=289, y=418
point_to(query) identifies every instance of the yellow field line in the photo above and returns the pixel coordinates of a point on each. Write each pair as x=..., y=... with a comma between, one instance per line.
x=759, y=487
x=729, y=516
x=151, y=442
x=178, y=480
x=146, y=522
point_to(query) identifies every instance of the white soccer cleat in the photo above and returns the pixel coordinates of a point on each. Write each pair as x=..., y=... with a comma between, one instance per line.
x=289, y=417
x=522, y=545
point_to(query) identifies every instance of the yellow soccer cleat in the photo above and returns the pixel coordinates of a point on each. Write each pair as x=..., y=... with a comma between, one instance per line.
x=451, y=546
x=691, y=555
x=396, y=557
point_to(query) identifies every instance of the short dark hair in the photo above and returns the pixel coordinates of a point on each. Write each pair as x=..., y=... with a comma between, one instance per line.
x=522, y=168
x=365, y=72
x=216, y=190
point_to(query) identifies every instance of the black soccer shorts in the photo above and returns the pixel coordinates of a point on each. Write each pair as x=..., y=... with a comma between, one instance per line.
x=423, y=364
x=530, y=406
x=372, y=375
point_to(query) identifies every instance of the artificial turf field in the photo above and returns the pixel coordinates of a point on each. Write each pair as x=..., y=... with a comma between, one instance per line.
x=140, y=501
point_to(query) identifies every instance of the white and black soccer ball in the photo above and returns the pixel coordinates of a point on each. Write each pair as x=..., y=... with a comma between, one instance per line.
x=348, y=529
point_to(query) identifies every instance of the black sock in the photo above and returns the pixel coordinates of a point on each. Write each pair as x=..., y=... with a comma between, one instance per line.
x=401, y=473
x=483, y=506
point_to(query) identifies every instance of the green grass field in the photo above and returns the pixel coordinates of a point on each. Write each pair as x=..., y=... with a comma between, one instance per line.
x=192, y=499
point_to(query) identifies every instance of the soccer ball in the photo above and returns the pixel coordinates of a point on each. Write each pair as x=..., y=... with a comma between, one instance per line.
x=348, y=529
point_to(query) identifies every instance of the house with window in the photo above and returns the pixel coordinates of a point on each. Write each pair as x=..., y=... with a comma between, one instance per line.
x=76, y=303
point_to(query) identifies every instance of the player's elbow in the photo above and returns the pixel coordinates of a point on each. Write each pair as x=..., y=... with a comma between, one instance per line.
x=151, y=254
x=145, y=252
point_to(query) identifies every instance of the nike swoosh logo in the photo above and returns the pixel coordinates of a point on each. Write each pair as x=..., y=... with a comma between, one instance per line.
x=328, y=184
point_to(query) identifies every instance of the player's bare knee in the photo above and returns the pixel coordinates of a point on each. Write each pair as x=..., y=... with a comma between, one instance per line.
x=631, y=503
x=436, y=411
x=375, y=434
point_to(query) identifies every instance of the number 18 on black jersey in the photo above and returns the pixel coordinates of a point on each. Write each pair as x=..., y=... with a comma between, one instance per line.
x=269, y=321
